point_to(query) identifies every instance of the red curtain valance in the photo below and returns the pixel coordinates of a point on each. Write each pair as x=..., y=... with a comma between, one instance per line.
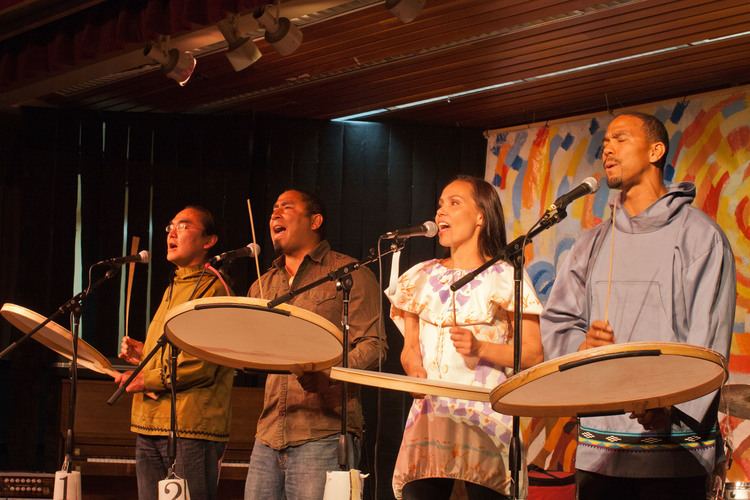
x=103, y=30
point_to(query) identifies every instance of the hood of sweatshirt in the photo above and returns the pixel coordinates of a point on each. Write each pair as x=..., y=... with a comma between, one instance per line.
x=659, y=214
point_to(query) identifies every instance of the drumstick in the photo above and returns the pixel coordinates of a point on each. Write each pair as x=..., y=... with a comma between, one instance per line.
x=453, y=300
x=611, y=262
x=257, y=264
x=131, y=272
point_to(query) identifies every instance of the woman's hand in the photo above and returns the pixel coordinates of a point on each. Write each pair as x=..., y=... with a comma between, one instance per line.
x=412, y=363
x=465, y=342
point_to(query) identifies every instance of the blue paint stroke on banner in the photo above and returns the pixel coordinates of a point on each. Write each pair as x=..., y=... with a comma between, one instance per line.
x=554, y=145
x=513, y=154
x=567, y=142
x=593, y=126
x=500, y=139
x=542, y=274
x=678, y=111
x=733, y=107
x=518, y=190
x=594, y=151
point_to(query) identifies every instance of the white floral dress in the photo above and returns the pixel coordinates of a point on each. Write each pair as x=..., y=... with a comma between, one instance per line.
x=446, y=437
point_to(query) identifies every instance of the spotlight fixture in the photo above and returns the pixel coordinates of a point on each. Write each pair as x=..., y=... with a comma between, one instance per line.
x=242, y=52
x=405, y=10
x=284, y=36
x=178, y=66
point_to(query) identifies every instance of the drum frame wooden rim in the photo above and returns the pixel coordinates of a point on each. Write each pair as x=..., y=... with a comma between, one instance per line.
x=93, y=360
x=601, y=353
x=413, y=385
x=256, y=304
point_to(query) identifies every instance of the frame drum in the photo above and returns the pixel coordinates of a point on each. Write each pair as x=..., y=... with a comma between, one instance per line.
x=242, y=332
x=57, y=338
x=612, y=379
x=410, y=384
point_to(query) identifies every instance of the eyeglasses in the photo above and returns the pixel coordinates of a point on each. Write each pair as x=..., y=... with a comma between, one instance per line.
x=180, y=227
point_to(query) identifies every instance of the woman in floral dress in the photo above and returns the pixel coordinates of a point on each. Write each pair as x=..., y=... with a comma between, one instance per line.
x=463, y=337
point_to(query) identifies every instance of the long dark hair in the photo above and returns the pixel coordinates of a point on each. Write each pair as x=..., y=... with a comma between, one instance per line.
x=492, y=239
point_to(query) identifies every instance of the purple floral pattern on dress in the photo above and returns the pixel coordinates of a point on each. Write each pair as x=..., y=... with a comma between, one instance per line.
x=440, y=437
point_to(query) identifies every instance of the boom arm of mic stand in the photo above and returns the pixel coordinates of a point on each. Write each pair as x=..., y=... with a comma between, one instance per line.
x=74, y=302
x=551, y=217
x=334, y=275
x=116, y=395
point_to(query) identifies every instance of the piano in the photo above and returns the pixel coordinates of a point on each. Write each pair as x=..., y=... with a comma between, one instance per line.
x=104, y=450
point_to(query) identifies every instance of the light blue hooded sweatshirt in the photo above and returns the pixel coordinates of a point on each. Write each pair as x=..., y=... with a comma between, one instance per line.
x=673, y=281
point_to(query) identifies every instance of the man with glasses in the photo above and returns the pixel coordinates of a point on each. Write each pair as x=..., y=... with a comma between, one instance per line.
x=203, y=389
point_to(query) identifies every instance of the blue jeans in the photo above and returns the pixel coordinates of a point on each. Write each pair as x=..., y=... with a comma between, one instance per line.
x=198, y=462
x=296, y=472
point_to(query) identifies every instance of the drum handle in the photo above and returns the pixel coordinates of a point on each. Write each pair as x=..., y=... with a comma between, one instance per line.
x=198, y=307
x=604, y=357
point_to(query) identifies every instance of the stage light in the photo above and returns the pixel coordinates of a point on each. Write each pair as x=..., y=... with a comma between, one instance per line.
x=284, y=36
x=405, y=10
x=242, y=52
x=178, y=66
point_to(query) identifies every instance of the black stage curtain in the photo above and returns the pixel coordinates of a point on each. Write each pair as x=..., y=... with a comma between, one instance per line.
x=372, y=177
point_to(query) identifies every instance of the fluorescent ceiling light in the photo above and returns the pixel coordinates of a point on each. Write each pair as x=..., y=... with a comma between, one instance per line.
x=489, y=88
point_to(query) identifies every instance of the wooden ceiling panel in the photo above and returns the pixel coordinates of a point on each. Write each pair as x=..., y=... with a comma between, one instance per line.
x=619, y=85
x=376, y=86
x=366, y=59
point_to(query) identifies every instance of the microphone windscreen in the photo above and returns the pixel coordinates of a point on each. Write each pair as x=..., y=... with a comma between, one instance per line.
x=432, y=229
x=592, y=182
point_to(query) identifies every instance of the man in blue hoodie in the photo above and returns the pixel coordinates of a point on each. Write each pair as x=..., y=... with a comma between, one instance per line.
x=664, y=273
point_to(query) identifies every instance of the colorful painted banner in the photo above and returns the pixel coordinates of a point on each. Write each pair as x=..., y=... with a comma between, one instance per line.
x=709, y=146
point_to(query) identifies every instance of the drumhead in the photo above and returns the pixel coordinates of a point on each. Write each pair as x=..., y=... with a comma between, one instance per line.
x=242, y=332
x=414, y=385
x=613, y=379
x=57, y=338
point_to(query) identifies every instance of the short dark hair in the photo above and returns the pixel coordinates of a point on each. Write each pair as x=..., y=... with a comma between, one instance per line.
x=655, y=132
x=314, y=205
x=492, y=239
x=206, y=217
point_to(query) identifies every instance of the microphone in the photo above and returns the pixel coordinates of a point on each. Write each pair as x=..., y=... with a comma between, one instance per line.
x=141, y=257
x=427, y=229
x=589, y=185
x=251, y=250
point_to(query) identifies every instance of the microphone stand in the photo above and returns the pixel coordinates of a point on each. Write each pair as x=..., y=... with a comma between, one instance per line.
x=72, y=306
x=513, y=253
x=74, y=303
x=344, y=282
